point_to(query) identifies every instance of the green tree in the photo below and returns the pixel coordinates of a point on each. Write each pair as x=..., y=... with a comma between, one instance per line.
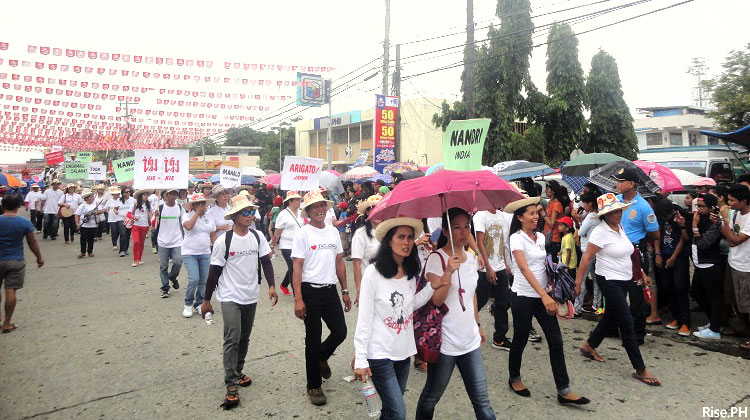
x=611, y=125
x=245, y=136
x=269, y=156
x=563, y=121
x=207, y=144
x=731, y=92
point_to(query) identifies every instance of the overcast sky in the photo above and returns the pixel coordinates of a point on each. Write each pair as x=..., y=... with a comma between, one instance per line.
x=652, y=52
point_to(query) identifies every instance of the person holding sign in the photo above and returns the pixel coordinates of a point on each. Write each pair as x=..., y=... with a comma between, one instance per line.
x=68, y=204
x=288, y=223
x=141, y=212
x=85, y=218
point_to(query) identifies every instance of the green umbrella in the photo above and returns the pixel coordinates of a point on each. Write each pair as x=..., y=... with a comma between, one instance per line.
x=582, y=165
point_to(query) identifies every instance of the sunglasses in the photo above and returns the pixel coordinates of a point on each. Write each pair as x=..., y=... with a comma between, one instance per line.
x=700, y=206
x=248, y=212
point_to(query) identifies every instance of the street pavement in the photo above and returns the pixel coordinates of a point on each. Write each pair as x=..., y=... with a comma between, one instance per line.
x=95, y=340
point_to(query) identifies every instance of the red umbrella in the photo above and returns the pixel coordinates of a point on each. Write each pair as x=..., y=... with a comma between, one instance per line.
x=204, y=175
x=661, y=175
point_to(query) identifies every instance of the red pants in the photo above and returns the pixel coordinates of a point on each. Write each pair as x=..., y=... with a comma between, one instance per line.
x=139, y=238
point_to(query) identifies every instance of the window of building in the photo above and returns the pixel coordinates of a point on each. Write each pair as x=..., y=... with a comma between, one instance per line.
x=366, y=131
x=675, y=139
x=712, y=140
x=653, y=139
x=693, y=139
x=340, y=135
x=354, y=134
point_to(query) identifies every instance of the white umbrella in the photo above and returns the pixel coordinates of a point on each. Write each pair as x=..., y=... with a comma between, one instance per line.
x=330, y=182
x=686, y=177
x=256, y=172
x=359, y=172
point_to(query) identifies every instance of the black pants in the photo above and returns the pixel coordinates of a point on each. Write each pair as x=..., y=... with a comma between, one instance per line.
x=102, y=227
x=501, y=293
x=124, y=237
x=707, y=292
x=676, y=281
x=115, y=233
x=87, y=239
x=321, y=304
x=69, y=228
x=154, y=237
x=524, y=308
x=618, y=315
x=287, y=254
x=51, y=225
x=36, y=219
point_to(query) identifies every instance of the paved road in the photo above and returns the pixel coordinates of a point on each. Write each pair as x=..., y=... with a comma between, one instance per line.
x=96, y=341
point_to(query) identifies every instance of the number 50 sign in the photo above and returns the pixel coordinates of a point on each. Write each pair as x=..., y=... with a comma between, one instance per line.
x=161, y=169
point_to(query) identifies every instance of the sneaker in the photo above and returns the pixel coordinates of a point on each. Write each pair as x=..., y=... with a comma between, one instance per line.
x=187, y=312
x=325, y=370
x=154, y=250
x=501, y=345
x=672, y=325
x=703, y=327
x=599, y=311
x=684, y=331
x=285, y=290
x=707, y=334
x=588, y=309
x=316, y=395
x=534, y=337
x=114, y=248
x=122, y=253
x=164, y=295
x=175, y=284
x=197, y=309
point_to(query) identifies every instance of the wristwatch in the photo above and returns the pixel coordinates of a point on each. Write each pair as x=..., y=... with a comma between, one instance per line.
x=344, y=291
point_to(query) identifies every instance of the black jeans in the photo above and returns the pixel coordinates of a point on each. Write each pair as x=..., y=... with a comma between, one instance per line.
x=36, y=219
x=51, y=225
x=154, y=237
x=501, y=293
x=87, y=239
x=69, y=228
x=321, y=304
x=287, y=254
x=114, y=231
x=124, y=237
x=524, y=308
x=707, y=292
x=102, y=227
x=617, y=312
x=676, y=281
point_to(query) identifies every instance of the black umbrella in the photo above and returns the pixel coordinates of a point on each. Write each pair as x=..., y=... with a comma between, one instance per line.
x=603, y=178
x=404, y=176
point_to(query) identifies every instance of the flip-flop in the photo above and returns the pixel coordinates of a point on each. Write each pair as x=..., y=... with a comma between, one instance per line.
x=645, y=380
x=589, y=355
x=244, y=381
x=231, y=400
x=11, y=329
x=745, y=346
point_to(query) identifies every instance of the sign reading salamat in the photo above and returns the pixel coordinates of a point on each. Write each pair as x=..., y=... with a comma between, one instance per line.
x=96, y=171
x=301, y=173
x=229, y=177
x=76, y=170
x=124, y=169
x=161, y=168
x=463, y=143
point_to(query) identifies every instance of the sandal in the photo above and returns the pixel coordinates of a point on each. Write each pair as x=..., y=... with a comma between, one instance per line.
x=232, y=399
x=420, y=365
x=648, y=380
x=11, y=329
x=593, y=355
x=244, y=380
x=745, y=346
x=80, y=256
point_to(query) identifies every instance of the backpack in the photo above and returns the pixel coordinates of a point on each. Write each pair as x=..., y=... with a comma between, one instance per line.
x=179, y=221
x=228, y=242
x=428, y=322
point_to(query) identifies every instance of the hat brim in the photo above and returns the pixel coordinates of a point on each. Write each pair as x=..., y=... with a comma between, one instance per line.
x=293, y=196
x=87, y=195
x=137, y=193
x=385, y=226
x=524, y=202
x=362, y=207
x=329, y=205
x=612, y=207
x=172, y=189
x=228, y=216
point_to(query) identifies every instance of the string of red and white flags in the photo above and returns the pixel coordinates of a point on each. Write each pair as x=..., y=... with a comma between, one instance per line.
x=79, y=100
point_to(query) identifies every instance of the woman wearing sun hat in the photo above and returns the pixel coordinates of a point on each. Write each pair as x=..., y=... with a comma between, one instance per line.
x=288, y=223
x=220, y=208
x=69, y=201
x=113, y=216
x=85, y=219
x=614, y=274
x=364, y=244
x=200, y=233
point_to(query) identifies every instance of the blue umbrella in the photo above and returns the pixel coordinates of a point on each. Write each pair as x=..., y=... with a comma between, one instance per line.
x=246, y=180
x=521, y=169
x=215, y=178
x=385, y=177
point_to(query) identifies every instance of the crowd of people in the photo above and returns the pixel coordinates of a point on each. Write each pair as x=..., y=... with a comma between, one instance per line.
x=630, y=257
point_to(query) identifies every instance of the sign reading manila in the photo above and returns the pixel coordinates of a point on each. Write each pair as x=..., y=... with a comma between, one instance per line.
x=463, y=144
x=301, y=173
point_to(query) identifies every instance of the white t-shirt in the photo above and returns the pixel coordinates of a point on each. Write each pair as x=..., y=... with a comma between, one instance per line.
x=319, y=248
x=111, y=205
x=330, y=217
x=153, y=199
x=613, y=260
x=384, y=322
x=217, y=214
x=535, y=254
x=238, y=282
x=51, y=198
x=103, y=200
x=143, y=215
x=460, y=330
x=492, y=225
x=33, y=198
x=198, y=239
x=73, y=199
x=363, y=247
x=587, y=226
x=739, y=256
x=83, y=208
x=126, y=207
x=290, y=224
x=170, y=233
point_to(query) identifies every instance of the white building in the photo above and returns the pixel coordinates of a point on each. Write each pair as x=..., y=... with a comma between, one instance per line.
x=672, y=126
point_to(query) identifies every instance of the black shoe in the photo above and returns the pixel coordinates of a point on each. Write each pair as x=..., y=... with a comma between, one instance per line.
x=501, y=345
x=579, y=401
x=175, y=284
x=534, y=337
x=523, y=393
x=164, y=295
x=44, y=236
x=588, y=309
x=325, y=370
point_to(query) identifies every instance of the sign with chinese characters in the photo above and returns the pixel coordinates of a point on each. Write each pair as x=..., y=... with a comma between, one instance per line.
x=54, y=158
x=124, y=169
x=463, y=144
x=386, y=116
x=76, y=170
x=96, y=171
x=229, y=177
x=161, y=169
x=84, y=157
x=301, y=173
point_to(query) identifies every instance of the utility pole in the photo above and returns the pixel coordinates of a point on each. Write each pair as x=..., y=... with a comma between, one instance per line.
x=386, y=45
x=698, y=69
x=397, y=92
x=330, y=122
x=127, y=117
x=469, y=64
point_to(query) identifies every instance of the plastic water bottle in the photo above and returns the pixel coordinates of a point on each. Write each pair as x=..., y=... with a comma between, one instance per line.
x=372, y=403
x=209, y=318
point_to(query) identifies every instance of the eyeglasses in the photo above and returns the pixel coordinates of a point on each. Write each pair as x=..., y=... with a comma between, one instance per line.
x=248, y=212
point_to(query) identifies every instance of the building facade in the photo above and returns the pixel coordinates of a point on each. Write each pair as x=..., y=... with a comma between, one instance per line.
x=674, y=126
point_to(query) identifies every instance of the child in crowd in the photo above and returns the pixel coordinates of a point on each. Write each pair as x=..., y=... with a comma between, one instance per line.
x=568, y=255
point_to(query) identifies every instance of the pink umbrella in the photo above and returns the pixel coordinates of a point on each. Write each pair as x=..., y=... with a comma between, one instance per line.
x=273, y=179
x=661, y=175
x=704, y=182
x=432, y=196
x=334, y=172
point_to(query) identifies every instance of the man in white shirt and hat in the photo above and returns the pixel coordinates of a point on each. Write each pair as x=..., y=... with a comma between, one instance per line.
x=50, y=208
x=170, y=237
x=34, y=198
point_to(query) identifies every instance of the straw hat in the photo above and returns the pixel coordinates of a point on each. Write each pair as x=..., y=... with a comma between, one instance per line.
x=512, y=207
x=71, y=186
x=113, y=190
x=385, y=226
x=99, y=186
x=57, y=181
x=196, y=198
x=137, y=193
x=217, y=189
x=371, y=202
x=608, y=203
x=292, y=194
x=34, y=185
x=313, y=197
x=238, y=202
x=169, y=190
x=86, y=194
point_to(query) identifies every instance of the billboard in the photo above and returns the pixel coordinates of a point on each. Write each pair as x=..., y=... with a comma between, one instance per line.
x=386, y=115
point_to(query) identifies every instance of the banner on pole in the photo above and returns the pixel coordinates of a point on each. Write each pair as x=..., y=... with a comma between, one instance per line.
x=386, y=115
x=54, y=158
x=124, y=169
x=84, y=157
x=96, y=171
x=161, y=169
x=229, y=177
x=76, y=170
x=301, y=173
x=463, y=144
x=362, y=159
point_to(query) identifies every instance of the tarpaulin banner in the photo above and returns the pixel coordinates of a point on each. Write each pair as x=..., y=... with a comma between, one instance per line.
x=362, y=159
x=301, y=173
x=229, y=177
x=124, y=169
x=463, y=144
x=54, y=158
x=386, y=115
x=97, y=171
x=84, y=157
x=161, y=169
x=76, y=170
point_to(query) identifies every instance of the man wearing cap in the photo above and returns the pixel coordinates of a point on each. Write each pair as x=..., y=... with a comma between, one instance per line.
x=640, y=225
x=169, y=239
x=234, y=274
x=318, y=263
x=50, y=208
x=34, y=198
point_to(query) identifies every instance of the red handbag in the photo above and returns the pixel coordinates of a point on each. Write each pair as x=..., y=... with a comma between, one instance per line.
x=428, y=322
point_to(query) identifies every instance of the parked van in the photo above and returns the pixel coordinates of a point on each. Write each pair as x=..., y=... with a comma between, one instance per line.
x=720, y=169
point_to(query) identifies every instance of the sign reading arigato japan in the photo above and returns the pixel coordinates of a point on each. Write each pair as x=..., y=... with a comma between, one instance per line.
x=161, y=168
x=301, y=173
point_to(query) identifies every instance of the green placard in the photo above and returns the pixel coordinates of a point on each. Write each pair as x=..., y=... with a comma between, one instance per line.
x=84, y=157
x=76, y=170
x=463, y=144
x=124, y=169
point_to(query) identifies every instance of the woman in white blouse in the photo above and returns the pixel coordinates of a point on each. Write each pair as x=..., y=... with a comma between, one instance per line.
x=530, y=300
x=384, y=337
x=288, y=222
x=364, y=244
